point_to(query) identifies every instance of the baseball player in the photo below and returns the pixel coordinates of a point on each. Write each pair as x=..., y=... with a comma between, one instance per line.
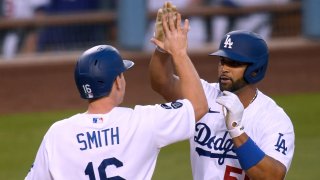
x=245, y=134
x=110, y=142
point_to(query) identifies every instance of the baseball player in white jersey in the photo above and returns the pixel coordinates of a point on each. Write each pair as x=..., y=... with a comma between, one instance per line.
x=212, y=153
x=245, y=134
x=110, y=142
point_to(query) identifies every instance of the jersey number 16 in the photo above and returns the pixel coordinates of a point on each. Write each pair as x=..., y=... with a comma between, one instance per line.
x=102, y=169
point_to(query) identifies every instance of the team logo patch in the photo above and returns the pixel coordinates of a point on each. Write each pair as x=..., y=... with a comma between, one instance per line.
x=176, y=105
x=281, y=144
x=97, y=120
x=228, y=42
x=165, y=106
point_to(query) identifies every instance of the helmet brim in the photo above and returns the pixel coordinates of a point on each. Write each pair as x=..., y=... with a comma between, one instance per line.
x=232, y=56
x=128, y=64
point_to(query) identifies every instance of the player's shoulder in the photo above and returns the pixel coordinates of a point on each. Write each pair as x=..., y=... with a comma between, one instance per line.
x=269, y=108
x=68, y=120
x=268, y=103
x=121, y=112
x=208, y=86
x=214, y=85
x=211, y=89
x=165, y=107
x=81, y=119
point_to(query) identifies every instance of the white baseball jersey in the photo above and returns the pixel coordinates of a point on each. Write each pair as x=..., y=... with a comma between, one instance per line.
x=212, y=154
x=122, y=144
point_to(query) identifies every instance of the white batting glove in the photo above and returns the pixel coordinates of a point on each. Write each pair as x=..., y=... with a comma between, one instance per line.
x=234, y=113
x=167, y=8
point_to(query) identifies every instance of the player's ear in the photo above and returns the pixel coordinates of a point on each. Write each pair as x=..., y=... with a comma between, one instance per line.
x=118, y=82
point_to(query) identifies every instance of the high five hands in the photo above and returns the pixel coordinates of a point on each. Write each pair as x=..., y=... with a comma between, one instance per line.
x=167, y=8
x=174, y=35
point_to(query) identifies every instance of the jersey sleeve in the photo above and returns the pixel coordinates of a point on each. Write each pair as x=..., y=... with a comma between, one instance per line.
x=206, y=85
x=210, y=89
x=170, y=122
x=40, y=167
x=278, y=140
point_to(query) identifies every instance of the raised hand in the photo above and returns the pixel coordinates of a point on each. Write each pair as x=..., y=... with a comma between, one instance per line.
x=167, y=8
x=175, y=36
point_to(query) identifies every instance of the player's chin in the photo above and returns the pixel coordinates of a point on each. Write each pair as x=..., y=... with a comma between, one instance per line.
x=225, y=86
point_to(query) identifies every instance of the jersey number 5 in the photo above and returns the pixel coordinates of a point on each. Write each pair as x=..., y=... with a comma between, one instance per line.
x=233, y=171
x=102, y=169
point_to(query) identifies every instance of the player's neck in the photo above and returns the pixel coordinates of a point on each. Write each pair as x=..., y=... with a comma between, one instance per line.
x=101, y=106
x=247, y=95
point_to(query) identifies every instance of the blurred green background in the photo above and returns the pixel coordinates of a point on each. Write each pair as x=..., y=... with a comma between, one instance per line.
x=21, y=135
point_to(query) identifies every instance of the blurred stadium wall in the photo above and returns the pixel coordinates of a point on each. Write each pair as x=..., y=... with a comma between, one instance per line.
x=42, y=80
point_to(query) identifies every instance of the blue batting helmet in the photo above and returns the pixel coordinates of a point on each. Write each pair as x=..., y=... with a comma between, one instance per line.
x=247, y=47
x=97, y=69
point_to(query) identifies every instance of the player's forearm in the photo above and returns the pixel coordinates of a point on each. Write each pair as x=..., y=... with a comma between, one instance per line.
x=162, y=77
x=190, y=85
x=266, y=168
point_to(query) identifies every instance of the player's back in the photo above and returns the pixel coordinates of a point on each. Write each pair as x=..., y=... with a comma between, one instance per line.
x=87, y=146
x=123, y=143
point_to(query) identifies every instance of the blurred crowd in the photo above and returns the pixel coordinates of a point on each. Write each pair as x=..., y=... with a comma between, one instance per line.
x=29, y=40
x=212, y=29
x=203, y=30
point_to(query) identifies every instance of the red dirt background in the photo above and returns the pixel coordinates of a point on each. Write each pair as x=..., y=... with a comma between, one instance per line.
x=45, y=82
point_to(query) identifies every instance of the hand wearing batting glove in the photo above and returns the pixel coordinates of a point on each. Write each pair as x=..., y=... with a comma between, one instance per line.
x=234, y=113
x=159, y=34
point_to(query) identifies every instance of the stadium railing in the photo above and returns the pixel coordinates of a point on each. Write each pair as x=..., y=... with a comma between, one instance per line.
x=286, y=18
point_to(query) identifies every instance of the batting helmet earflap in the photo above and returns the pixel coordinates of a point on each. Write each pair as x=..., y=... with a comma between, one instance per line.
x=97, y=69
x=248, y=47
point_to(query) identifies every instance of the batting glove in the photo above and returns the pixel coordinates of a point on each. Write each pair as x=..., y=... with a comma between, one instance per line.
x=233, y=114
x=167, y=7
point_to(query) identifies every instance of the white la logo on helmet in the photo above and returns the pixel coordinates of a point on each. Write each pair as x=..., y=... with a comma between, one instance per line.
x=228, y=42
